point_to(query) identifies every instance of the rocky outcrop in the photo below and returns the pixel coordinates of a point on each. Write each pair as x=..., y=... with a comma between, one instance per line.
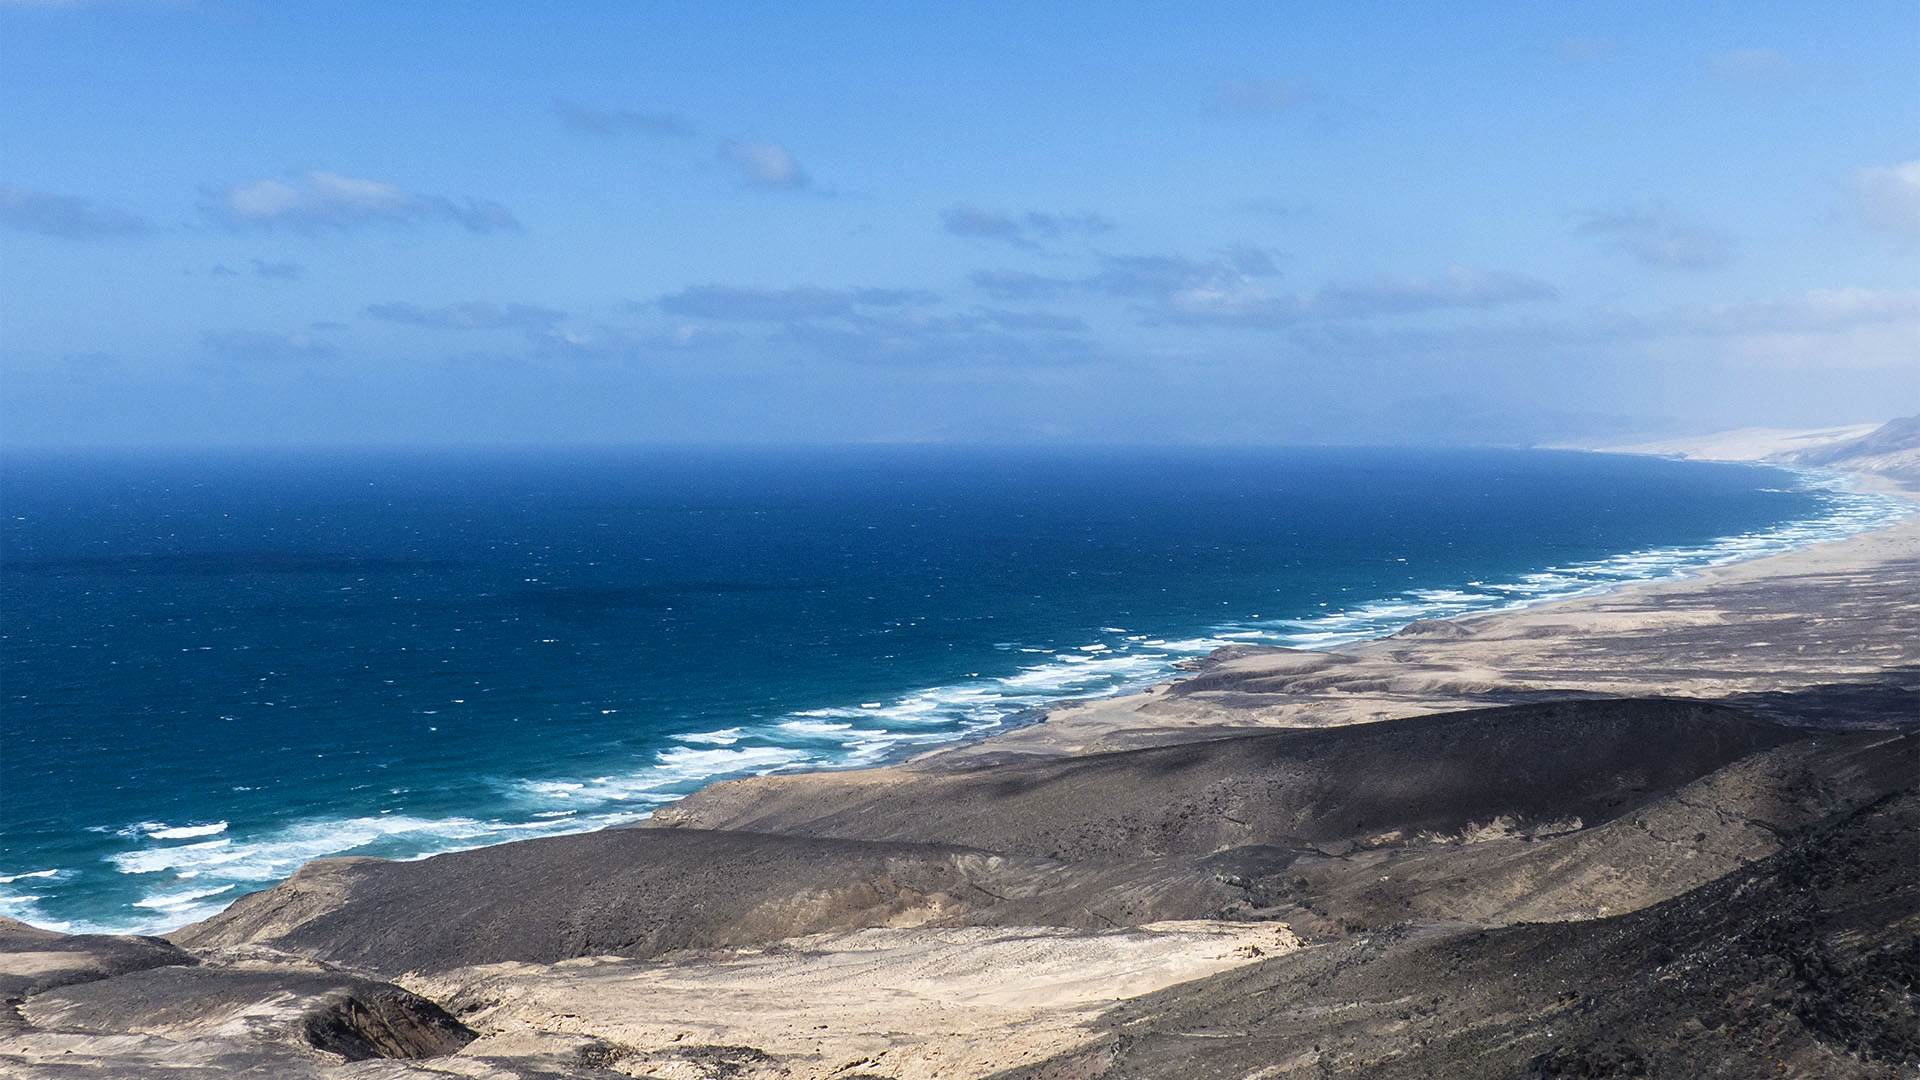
x=332, y=1012
x=93, y=1004
x=33, y=960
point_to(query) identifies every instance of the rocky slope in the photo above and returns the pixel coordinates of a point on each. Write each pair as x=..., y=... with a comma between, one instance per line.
x=1498, y=890
x=1892, y=449
x=136, y=1007
x=1803, y=964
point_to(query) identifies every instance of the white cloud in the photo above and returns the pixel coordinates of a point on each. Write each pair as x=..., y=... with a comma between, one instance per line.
x=1163, y=276
x=474, y=315
x=764, y=164
x=620, y=121
x=924, y=340
x=736, y=303
x=1239, y=303
x=751, y=303
x=1888, y=198
x=1653, y=236
x=1813, y=310
x=1457, y=286
x=318, y=199
x=1231, y=288
x=1835, y=329
x=1838, y=329
x=1029, y=229
x=67, y=216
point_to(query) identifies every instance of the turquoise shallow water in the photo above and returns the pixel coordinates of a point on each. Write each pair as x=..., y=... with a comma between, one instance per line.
x=216, y=668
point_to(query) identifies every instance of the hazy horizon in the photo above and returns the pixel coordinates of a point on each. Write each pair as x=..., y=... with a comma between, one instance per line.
x=228, y=223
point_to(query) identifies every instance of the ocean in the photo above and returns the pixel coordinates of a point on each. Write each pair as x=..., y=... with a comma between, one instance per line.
x=215, y=667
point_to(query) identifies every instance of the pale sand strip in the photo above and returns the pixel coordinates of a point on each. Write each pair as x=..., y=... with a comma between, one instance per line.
x=1740, y=444
x=905, y=1004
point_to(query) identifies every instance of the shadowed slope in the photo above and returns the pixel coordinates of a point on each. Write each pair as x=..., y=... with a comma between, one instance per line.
x=1804, y=964
x=634, y=892
x=1493, y=815
x=33, y=960
x=1591, y=761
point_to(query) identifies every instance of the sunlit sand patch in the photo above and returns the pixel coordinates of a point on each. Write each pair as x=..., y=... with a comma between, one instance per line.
x=907, y=1003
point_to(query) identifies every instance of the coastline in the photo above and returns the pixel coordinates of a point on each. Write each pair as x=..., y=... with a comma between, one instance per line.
x=1011, y=732
x=982, y=715
x=1065, y=724
x=1401, y=853
x=1027, y=731
x=1340, y=687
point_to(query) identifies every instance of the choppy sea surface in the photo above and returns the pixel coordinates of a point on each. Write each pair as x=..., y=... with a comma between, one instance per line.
x=214, y=668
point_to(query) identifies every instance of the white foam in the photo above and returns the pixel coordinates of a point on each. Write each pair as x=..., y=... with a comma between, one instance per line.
x=175, y=901
x=1192, y=645
x=8, y=879
x=1849, y=513
x=685, y=762
x=25, y=907
x=217, y=867
x=142, y=828
x=813, y=728
x=187, y=831
x=553, y=789
x=722, y=737
x=184, y=856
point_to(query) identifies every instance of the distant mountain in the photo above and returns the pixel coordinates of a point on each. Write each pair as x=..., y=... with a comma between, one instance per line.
x=1893, y=448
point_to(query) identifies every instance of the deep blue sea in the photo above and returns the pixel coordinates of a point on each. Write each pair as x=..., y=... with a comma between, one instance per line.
x=218, y=667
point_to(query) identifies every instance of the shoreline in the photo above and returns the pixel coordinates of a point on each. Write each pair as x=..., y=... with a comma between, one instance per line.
x=1865, y=483
x=1499, y=834
x=1103, y=717
x=1047, y=728
x=1042, y=712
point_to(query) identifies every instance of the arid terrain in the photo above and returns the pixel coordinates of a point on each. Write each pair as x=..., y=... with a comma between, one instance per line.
x=1663, y=832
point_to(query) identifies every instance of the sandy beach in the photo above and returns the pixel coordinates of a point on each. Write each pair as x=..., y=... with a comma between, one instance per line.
x=1476, y=847
x=1769, y=632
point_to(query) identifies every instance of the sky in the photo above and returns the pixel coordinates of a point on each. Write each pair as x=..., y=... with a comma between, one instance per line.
x=289, y=223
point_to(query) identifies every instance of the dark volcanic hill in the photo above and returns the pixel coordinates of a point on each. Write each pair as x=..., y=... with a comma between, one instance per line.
x=1557, y=811
x=1585, y=760
x=646, y=892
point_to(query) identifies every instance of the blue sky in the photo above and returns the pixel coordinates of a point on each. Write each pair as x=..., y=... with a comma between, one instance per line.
x=234, y=223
